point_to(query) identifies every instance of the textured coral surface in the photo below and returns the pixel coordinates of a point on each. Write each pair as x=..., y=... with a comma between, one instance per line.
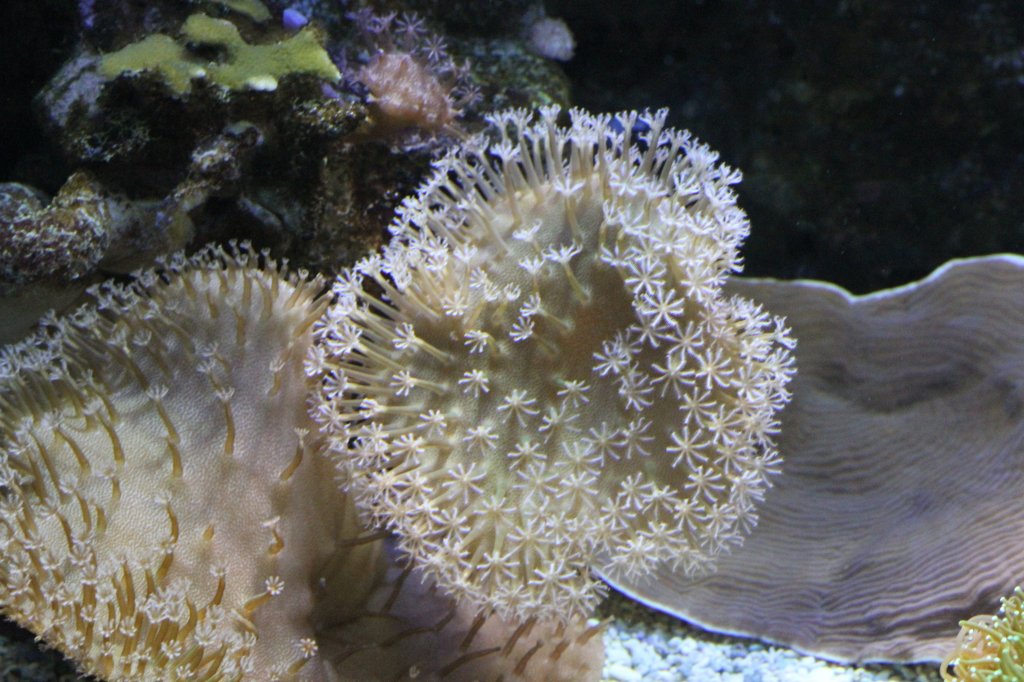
x=158, y=490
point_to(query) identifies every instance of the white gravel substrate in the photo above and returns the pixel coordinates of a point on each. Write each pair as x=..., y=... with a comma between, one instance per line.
x=642, y=645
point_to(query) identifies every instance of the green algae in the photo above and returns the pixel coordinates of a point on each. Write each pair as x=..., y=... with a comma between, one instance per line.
x=240, y=66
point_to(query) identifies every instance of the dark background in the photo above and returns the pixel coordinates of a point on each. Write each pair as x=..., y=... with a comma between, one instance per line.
x=877, y=139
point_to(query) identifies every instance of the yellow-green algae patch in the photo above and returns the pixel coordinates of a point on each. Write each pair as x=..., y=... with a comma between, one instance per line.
x=244, y=67
x=159, y=53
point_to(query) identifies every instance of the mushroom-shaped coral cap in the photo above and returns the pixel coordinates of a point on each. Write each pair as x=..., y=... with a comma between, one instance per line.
x=540, y=376
x=159, y=484
x=899, y=512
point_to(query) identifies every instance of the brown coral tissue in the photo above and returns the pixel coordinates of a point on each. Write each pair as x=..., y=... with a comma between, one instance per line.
x=405, y=94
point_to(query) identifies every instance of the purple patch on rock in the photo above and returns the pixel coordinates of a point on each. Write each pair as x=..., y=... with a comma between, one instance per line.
x=293, y=19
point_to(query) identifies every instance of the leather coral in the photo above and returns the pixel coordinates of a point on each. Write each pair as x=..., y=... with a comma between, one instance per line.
x=166, y=511
x=541, y=377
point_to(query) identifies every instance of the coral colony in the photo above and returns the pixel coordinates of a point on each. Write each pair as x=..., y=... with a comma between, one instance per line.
x=540, y=377
x=538, y=381
x=864, y=500
x=142, y=534
x=990, y=648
